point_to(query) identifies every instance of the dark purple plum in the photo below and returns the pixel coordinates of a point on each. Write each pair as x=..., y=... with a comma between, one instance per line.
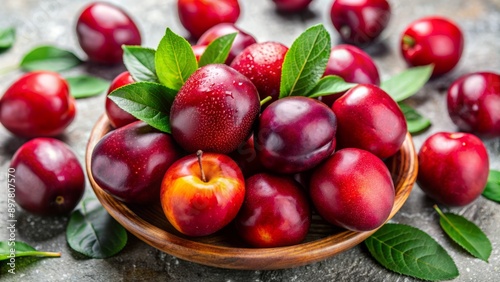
x=129, y=162
x=295, y=134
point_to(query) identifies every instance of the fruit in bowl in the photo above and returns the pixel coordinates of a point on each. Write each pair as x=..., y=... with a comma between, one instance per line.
x=243, y=39
x=275, y=212
x=262, y=64
x=369, y=119
x=353, y=189
x=214, y=110
x=202, y=193
x=117, y=116
x=295, y=134
x=353, y=65
x=129, y=162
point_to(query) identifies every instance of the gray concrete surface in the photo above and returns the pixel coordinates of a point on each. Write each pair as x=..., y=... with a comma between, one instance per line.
x=52, y=22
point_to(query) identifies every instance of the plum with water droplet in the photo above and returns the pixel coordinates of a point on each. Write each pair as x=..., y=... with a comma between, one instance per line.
x=262, y=64
x=214, y=110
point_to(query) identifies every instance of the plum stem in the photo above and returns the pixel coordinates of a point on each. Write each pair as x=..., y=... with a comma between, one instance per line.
x=199, y=153
x=408, y=41
x=265, y=100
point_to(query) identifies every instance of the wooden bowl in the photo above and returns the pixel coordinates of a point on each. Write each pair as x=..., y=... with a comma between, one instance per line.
x=222, y=249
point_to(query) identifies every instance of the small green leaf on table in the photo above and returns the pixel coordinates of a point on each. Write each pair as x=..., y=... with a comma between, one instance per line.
x=466, y=234
x=147, y=101
x=407, y=83
x=330, y=84
x=7, y=38
x=218, y=50
x=175, y=60
x=140, y=62
x=49, y=58
x=410, y=251
x=492, y=189
x=415, y=121
x=305, y=62
x=83, y=86
x=9, y=249
x=93, y=232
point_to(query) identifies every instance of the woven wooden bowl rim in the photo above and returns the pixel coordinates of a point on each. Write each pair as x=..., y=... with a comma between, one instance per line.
x=149, y=224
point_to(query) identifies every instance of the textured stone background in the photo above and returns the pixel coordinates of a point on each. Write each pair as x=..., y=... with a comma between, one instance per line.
x=52, y=22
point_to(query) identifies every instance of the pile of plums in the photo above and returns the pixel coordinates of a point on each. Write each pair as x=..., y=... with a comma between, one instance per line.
x=263, y=168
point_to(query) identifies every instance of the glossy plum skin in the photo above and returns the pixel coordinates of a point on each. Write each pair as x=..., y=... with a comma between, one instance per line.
x=49, y=178
x=242, y=40
x=214, y=110
x=262, y=64
x=291, y=6
x=102, y=29
x=195, y=207
x=353, y=189
x=473, y=102
x=275, y=212
x=197, y=16
x=116, y=115
x=353, y=65
x=433, y=40
x=129, y=162
x=360, y=22
x=369, y=119
x=453, y=168
x=38, y=104
x=295, y=134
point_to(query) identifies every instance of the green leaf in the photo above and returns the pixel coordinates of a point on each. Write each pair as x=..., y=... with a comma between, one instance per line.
x=492, y=189
x=49, y=58
x=140, y=62
x=147, y=101
x=466, y=234
x=330, y=84
x=407, y=83
x=415, y=121
x=84, y=86
x=10, y=249
x=7, y=38
x=175, y=60
x=93, y=232
x=218, y=50
x=305, y=62
x=410, y=251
